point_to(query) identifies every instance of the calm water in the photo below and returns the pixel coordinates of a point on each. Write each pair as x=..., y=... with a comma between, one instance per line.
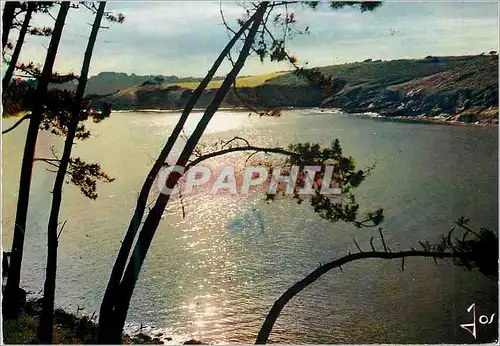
x=201, y=279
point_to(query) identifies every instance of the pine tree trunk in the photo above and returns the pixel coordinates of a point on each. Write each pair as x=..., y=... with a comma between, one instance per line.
x=7, y=20
x=20, y=41
x=47, y=316
x=107, y=304
x=153, y=219
x=11, y=300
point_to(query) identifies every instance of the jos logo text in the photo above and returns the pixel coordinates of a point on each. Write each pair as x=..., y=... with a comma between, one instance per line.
x=483, y=319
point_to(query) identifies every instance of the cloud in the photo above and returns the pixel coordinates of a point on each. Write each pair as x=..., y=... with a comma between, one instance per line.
x=184, y=38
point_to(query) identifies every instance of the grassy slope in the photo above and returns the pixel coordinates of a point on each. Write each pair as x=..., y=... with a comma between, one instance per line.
x=246, y=81
x=242, y=82
x=385, y=72
x=380, y=72
x=475, y=73
x=367, y=82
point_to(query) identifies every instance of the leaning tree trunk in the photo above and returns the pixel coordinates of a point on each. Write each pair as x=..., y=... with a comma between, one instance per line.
x=20, y=41
x=107, y=305
x=7, y=20
x=141, y=248
x=47, y=316
x=11, y=299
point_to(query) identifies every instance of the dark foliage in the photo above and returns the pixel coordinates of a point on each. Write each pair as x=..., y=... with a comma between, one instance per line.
x=482, y=246
x=17, y=97
x=85, y=176
x=33, y=71
x=45, y=31
x=363, y=6
x=109, y=16
x=345, y=176
x=314, y=76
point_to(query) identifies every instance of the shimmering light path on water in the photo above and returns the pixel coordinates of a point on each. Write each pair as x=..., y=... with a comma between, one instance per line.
x=205, y=280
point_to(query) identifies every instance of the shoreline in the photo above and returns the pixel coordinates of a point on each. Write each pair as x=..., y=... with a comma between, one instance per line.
x=426, y=121
x=82, y=328
x=365, y=115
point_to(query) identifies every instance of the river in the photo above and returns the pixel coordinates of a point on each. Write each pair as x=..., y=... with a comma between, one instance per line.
x=204, y=280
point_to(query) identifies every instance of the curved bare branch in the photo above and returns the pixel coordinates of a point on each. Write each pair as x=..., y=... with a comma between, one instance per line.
x=280, y=151
x=26, y=117
x=279, y=304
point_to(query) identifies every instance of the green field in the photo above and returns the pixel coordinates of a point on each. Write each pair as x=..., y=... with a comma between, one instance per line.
x=242, y=82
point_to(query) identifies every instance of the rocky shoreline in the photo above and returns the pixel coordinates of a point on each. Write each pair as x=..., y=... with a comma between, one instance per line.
x=454, y=120
x=76, y=328
x=442, y=119
x=451, y=90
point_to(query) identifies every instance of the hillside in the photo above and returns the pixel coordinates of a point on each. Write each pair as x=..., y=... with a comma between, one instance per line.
x=461, y=88
x=111, y=82
x=242, y=82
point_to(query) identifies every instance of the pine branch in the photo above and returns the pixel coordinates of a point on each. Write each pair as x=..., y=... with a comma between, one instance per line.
x=356, y=243
x=239, y=149
x=382, y=237
x=26, y=117
x=62, y=228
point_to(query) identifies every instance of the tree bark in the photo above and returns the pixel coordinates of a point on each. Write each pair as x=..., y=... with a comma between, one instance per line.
x=7, y=20
x=20, y=41
x=11, y=302
x=124, y=292
x=280, y=303
x=47, y=316
x=107, y=305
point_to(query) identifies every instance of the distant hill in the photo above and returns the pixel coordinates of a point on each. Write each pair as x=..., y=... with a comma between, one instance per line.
x=110, y=82
x=433, y=86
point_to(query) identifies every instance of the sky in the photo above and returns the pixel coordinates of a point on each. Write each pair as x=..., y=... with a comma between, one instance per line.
x=184, y=38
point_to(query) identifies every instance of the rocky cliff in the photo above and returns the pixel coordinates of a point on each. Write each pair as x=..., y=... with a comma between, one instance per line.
x=455, y=88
